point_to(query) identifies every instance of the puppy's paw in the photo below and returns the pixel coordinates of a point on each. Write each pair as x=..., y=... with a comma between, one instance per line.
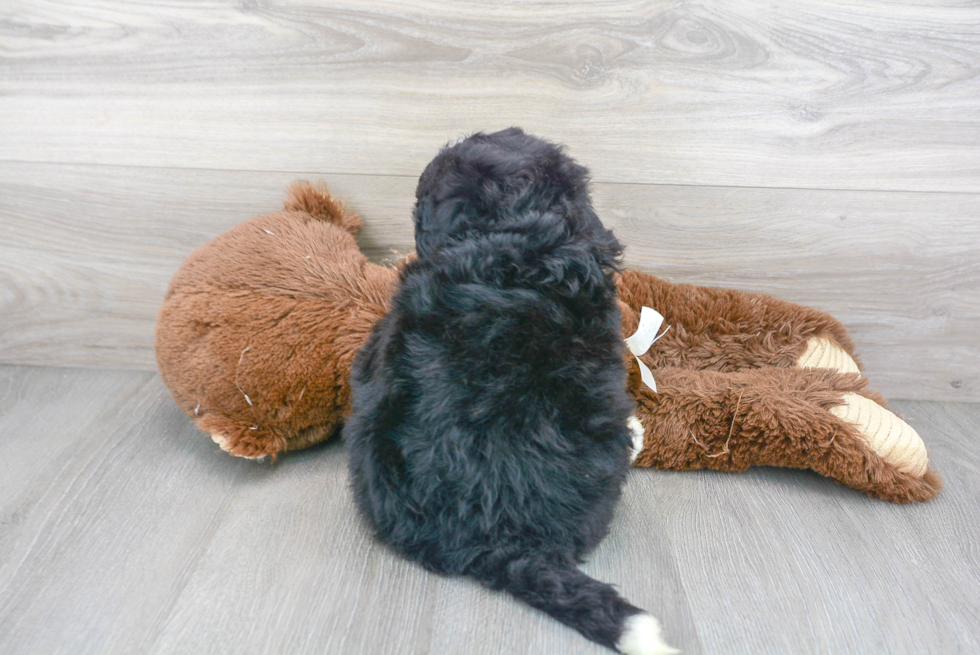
x=636, y=429
x=894, y=440
x=826, y=353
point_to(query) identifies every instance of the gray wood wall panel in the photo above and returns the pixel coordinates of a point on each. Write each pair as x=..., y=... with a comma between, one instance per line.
x=123, y=529
x=900, y=270
x=88, y=251
x=817, y=94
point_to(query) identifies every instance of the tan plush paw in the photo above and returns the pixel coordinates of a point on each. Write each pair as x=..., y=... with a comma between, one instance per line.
x=890, y=437
x=826, y=353
x=222, y=441
x=225, y=444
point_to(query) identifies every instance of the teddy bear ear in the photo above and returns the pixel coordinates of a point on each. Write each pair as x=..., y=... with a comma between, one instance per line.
x=317, y=201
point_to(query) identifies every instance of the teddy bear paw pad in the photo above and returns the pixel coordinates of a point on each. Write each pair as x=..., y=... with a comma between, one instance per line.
x=894, y=440
x=222, y=441
x=225, y=444
x=826, y=353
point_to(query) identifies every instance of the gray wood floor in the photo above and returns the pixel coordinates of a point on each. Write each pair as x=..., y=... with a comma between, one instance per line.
x=123, y=529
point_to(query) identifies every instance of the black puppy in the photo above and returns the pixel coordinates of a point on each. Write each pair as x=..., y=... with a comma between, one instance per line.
x=488, y=433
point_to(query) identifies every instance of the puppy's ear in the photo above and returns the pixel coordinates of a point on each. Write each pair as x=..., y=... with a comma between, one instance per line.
x=610, y=252
x=607, y=249
x=437, y=222
x=507, y=133
x=434, y=212
x=427, y=235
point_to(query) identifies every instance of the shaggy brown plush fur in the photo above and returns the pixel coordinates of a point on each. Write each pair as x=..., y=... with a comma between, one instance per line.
x=730, y=395
x=259, y=328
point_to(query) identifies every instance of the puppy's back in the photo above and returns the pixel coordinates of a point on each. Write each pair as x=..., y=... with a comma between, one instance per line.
x=489, y=434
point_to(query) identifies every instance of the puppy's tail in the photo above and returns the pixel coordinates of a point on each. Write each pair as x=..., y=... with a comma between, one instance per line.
x=316, y=201
x=591, y=607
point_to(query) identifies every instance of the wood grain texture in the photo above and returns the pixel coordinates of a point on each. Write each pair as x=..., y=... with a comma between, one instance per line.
x=900, y=270
x=817, y=94
x=123, y=529
x=828, y=570
x=101, y=527
x=88, y=251
x=139, y=535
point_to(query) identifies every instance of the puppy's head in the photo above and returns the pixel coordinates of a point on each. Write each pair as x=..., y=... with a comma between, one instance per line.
x=494, y=182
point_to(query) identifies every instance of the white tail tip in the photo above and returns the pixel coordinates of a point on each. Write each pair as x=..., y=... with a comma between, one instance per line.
x=641, y=636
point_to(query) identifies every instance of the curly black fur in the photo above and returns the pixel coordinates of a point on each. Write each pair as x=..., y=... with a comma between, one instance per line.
x=488, y=434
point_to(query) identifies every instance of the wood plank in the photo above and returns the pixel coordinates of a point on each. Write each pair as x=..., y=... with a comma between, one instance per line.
x=109, y=513
x=900, y=270
x=296, y=571
x=820, y=94
x=38, y=442
x=786, y=561
x=927, y=541
x=139, y=536
x=123, y=529
x=88, y=251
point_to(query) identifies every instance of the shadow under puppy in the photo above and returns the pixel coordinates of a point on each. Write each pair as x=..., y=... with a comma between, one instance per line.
x=488, y=435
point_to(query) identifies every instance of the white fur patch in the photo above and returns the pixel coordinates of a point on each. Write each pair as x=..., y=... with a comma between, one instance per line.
x=637, y=429
x=641, y=636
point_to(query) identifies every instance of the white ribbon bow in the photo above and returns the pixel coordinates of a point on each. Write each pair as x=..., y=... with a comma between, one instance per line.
x=644, y=337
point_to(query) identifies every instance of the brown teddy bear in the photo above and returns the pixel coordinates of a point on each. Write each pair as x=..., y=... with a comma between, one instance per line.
x=260, y=326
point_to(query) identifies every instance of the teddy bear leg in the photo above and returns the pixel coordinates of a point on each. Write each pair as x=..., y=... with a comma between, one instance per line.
x=730, y=330
x=813, y=419
x=879, y=453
